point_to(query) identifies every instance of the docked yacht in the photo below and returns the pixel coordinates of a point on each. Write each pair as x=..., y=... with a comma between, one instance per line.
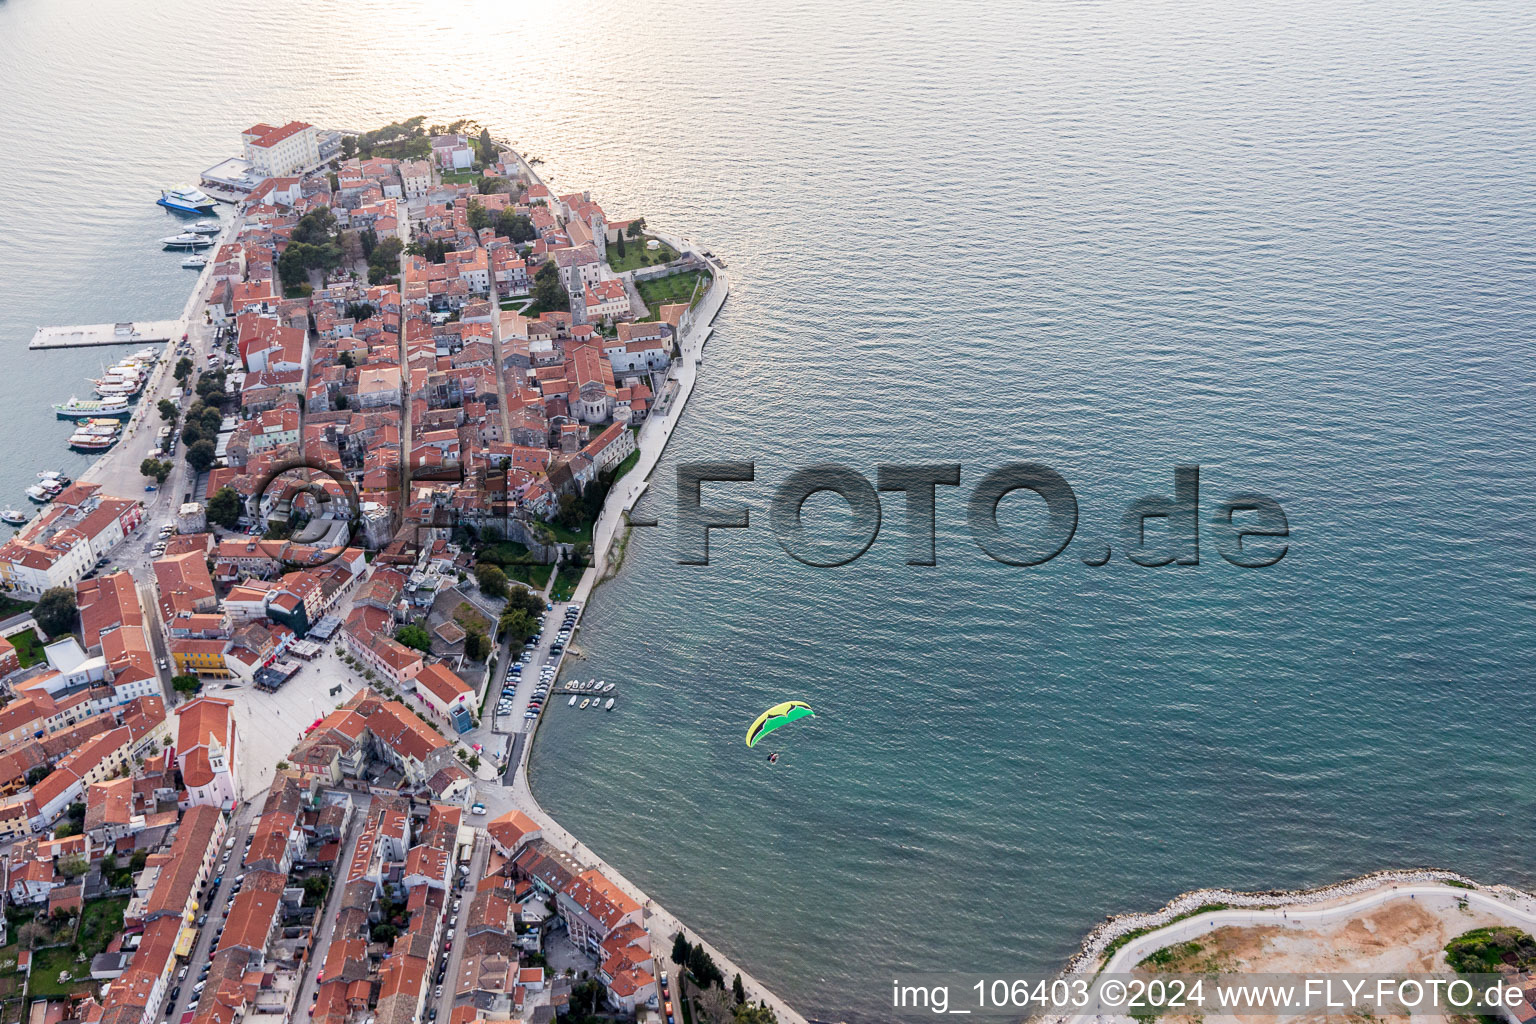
x=185, y=200
x=195, y=262
x=15, y=517
x=186, y=240
x=207, y=227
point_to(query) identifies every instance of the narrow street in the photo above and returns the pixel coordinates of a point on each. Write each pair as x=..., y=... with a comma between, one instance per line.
x=215, y=905
x=453, y=953
x=325, y=920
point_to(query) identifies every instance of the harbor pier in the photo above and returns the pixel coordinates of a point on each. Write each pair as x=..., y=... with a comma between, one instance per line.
x=127, y=332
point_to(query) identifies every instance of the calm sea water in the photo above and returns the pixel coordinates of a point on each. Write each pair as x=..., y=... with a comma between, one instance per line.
x=1291, y=244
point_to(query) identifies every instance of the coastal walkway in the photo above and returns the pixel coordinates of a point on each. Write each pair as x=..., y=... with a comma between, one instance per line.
x=1437, y=897
x=696, y=328
x=139, y=332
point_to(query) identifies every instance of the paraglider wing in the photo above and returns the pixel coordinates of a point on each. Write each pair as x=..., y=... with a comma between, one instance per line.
x=776, y=716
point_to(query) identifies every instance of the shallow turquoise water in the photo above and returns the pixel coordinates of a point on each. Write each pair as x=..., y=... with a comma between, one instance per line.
x=1291, y=245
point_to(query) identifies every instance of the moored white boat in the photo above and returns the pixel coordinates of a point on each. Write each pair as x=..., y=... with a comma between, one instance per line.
x=82, y=408
x=186, y=240
x=14, y=516
x=185, y=199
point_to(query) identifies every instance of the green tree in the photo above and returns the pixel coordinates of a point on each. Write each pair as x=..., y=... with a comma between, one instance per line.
x=56, y=611
x=201, y=455
x=636, y=226
x=738, y=990
x=702, y=966
x=414, y=636
x=514, y=225
x=224, y=508
x=186, y=684
x=476, y=646
x=317, y=227
x=548, y=292
x=621, y=245
x=155, y=469
x=680, y=950
x=755, y=1015
x=168, y=410
x=183, y=369
x=348, y=146
x=210, y=387
x=477, y=216
x=492, y=581
x=38, y=774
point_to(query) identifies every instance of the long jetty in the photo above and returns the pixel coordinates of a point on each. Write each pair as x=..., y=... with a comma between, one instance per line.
x=127, y=332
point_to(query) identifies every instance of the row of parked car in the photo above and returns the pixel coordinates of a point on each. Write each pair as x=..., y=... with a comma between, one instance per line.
x=546, y=674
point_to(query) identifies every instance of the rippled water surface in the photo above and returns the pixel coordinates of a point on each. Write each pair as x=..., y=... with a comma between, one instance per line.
x=1291, y=244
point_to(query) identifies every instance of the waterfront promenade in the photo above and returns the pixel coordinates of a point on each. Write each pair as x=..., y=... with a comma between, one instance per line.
x=651, y=443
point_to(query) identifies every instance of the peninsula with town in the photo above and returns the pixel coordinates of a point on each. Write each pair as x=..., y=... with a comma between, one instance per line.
x=272, y=665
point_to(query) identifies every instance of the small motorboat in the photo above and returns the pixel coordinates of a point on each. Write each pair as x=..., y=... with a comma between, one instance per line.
x=195, y=262
x=608, y=706
x=608, y=688
x=573, y=701
x=584, y=702
x=14, y=516
x=206, y=227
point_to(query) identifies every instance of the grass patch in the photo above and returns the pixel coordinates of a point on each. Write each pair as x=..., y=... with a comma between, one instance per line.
x=532, y=574
x=566, y=583
x=468, y=177
x=48, y=964
x=471, y=618
x=636, y=255
x=566, y=535
x=28, y=647
x=673, y=289
x=1457, y=883
x=1137, y=933
x=10, y=606
x=503, y=552
x=1172, y=954
x=517, y=562
x=103, y=919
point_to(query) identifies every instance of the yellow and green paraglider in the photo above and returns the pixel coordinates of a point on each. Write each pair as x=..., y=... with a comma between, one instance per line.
x=777, y=717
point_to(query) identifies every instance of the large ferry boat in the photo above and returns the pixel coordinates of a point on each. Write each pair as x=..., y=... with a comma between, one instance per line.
x=85, y=408
x=185, y=200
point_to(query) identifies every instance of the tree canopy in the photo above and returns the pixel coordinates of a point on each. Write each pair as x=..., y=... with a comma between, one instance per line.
x=548, y=292
x=514, y=225
x=56, y=611
x=224, y=508
x=414, y=636
x=201, y=455
x=492, y=581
